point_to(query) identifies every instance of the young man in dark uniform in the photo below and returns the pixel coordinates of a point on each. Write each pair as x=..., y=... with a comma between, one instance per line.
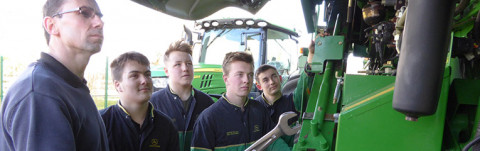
x=234, y=122
x=269, y=81
x=179, y=100
x=134, y=124
x=49, y=107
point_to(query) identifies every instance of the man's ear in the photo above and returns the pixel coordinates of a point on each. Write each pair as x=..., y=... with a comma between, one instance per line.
x=259, y=87
x=50, y=26
x=117, y=86
x=225, y=78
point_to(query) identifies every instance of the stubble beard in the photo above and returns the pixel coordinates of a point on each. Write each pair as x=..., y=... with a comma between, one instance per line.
x=94, y=47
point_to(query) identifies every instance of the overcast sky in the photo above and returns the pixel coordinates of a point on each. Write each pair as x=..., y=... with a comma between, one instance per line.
x=128, y=27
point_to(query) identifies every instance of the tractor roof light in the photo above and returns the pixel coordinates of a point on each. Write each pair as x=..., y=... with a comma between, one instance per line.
x=215, y=23
x=262, y=23
x=250, y=22
x=238, y=22
x=206, y=24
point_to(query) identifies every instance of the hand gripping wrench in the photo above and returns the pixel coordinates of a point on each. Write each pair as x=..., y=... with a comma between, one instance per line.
x=281, y=129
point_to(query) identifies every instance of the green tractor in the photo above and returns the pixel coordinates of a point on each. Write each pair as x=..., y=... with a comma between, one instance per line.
x=420, y=85
x=268, y=44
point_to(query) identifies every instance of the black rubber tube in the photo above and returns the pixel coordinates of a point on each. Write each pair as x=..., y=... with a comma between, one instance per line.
x=474, y=143
x=422, y=57
x=469, y=145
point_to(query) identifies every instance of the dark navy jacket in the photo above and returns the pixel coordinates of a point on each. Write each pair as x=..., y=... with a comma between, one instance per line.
x=157, y=131
x=280, y=106
x=170, y=104
x=50, y=108
x=223, y=126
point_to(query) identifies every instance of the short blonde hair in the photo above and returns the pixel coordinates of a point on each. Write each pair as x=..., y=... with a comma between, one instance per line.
x=235, y=56
x=180, y=46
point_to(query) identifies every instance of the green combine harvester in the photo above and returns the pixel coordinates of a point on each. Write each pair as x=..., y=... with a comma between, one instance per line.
x=420, y=89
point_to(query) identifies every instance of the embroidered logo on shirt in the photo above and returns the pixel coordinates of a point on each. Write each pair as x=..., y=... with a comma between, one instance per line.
x=256, y=128
x=154, y=143
x=232, y=133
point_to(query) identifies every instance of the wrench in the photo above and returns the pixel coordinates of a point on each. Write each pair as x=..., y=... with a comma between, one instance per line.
x=281, y=129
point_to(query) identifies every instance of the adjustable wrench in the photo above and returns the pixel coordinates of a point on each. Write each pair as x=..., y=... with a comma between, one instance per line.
x=281, y=129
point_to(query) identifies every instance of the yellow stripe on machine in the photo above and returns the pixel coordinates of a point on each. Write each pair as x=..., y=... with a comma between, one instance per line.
x=370, y=98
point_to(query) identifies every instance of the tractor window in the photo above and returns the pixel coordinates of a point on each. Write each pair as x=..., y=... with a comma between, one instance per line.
x=217, y=43
x=196, y=48
x=281, y=51
x=252, y=46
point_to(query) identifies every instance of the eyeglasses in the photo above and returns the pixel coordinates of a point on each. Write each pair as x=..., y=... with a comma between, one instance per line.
x=87, y=12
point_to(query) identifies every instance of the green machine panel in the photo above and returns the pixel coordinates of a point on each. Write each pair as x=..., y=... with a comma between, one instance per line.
x=318, y=126
x=208, y=78
x=370, y=123
x=327, y=48
x=355, y=91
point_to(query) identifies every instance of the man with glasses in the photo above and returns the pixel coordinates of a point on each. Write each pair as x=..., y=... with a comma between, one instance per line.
x=134, y=124
x=49, y=107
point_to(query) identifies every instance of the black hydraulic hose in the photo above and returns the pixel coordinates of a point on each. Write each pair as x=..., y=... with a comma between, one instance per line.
x=474, y=144
x=469, y=145
x=378, y=48
x=350, y=15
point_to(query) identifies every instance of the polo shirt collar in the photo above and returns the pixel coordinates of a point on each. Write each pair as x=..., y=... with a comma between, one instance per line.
x=125, y=112
x=171, y=91
x=61, y=70
x=244, y=105
x=266, y=101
